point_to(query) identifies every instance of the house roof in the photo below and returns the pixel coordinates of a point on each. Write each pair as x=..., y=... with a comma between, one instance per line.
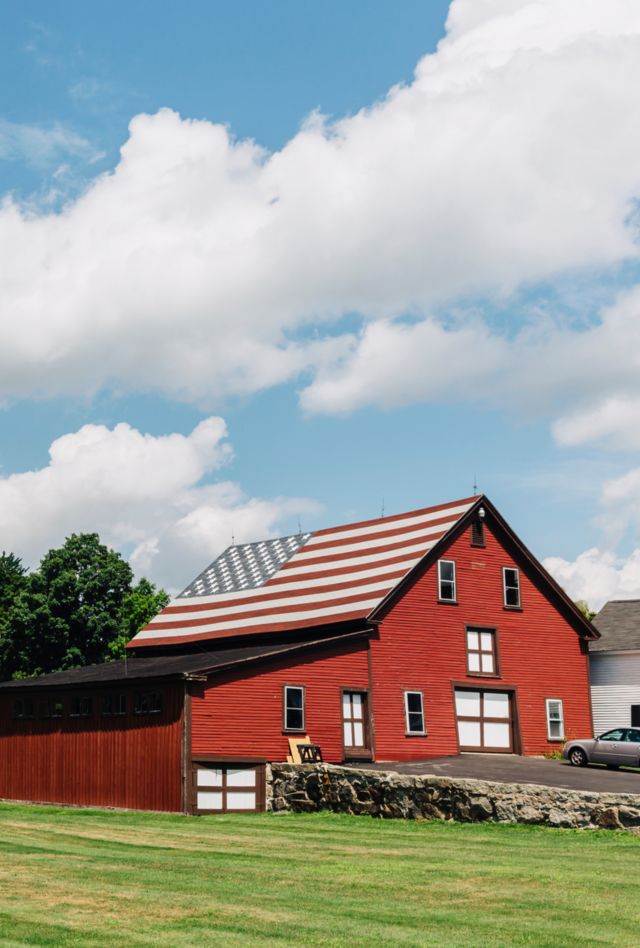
x=335, y=575
x=618, y=622
x=192, y=665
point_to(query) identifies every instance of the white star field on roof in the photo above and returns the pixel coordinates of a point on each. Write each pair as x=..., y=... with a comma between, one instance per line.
x=246, y=566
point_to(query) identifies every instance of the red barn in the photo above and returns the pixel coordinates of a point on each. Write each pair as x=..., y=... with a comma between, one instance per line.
x=409, y=637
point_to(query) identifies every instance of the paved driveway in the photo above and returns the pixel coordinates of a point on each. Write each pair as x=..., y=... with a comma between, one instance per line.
x=508, y=768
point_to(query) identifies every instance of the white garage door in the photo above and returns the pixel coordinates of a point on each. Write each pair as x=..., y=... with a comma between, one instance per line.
x=484, y=720
x=228, y=788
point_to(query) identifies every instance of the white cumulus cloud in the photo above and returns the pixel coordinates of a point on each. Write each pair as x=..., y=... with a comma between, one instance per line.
x=601, y=572
x=151, y=497
x=204, y=266
x=597, y=576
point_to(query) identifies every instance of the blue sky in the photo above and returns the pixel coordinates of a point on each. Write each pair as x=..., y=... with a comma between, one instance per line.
x=467, y=318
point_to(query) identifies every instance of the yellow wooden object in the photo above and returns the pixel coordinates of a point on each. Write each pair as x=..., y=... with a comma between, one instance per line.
x=293, y=747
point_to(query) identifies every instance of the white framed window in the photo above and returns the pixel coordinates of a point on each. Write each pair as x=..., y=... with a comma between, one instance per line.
x=293, y=708
x=414, y=712
x=446, y=580
x=511, y=586
x=555, y=719
x=482, y=658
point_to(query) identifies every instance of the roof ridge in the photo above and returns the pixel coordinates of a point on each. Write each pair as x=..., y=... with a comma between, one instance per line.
x=286, y=536
x=399, y=516
x=610, y=601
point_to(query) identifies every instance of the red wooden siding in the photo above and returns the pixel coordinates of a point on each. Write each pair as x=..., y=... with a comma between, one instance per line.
x=133, y=761
x=240, y=713
x=421, y=647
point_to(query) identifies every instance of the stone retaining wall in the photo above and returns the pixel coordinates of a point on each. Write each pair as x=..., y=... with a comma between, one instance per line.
x=310, y=787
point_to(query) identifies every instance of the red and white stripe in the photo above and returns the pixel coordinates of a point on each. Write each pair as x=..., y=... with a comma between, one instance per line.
x=339, y=574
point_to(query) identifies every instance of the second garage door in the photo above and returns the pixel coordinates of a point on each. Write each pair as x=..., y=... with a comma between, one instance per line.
x=228, y=788
x=485, y=720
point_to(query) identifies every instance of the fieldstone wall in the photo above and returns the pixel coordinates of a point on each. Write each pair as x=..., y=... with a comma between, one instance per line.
x=310, y=787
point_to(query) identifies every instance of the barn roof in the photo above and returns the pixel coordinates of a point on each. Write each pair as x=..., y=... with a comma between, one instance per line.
x=335, y=575
x=193, y=665
x=618, y=622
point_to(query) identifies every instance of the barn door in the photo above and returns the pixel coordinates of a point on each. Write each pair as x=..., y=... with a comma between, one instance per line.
x=485, y=720
x=355, y=725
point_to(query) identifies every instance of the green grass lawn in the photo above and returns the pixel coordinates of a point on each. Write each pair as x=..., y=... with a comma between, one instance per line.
x=73, y=877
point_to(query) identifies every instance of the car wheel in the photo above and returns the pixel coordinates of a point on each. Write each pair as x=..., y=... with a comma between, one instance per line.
x=578, y=757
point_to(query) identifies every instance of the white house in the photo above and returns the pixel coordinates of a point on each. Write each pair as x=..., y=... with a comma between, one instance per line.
x=615, y=666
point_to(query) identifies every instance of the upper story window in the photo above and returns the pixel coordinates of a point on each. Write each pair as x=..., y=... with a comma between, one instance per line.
x=81, y=707
x=293, y=708
x=446, y=580
x=147, y=702
x=114, y=704
x=555, y=719
x=23, y=708
x=511, y=586
x=414, y=712
x=482, y=656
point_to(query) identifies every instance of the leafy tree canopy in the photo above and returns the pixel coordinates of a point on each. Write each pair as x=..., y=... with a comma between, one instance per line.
x=79, y=607
x=12, y=580
x=583, y=606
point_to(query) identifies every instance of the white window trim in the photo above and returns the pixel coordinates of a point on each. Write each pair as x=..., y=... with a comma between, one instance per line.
x=441, y=598
x=561, y=722
x=406, y=713
x=513, y=569
x=287, y=689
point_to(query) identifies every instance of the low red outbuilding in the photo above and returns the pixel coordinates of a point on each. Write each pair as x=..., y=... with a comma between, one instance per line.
x=414, y=636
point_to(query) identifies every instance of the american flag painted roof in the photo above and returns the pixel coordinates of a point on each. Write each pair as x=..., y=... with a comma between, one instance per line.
x=334, y=575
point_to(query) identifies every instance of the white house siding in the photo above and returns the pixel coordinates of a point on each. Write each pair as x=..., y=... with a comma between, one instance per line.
x=615, y=686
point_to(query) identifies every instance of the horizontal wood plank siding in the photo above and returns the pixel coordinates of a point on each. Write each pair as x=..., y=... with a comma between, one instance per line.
x=240, y=713
x=615, y=686
x=421, y=646
x=132, y=761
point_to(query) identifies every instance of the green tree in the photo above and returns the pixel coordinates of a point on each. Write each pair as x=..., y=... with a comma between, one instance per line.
x=12, y=581
x=140, y=604
x=583, y=606
x=78, y=608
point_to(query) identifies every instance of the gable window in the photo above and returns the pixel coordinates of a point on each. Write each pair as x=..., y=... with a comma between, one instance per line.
x=477, y=532
x=293, y=708
x=511, y=587
x=81, y=707
x=114, y=704
x=446, y=580
x=148, y=702
x=414, y=712
x=555, y=719
x=482, y=657
x=23, y=708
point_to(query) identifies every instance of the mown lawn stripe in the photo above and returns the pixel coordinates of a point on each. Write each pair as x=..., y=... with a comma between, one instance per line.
x=73, y=877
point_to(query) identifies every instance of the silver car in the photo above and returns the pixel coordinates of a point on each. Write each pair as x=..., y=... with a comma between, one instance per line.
x=620, y=747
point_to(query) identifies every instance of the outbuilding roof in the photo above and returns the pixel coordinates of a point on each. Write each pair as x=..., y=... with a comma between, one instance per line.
x=618, y=622
x=335, y=575
x=194, y=665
